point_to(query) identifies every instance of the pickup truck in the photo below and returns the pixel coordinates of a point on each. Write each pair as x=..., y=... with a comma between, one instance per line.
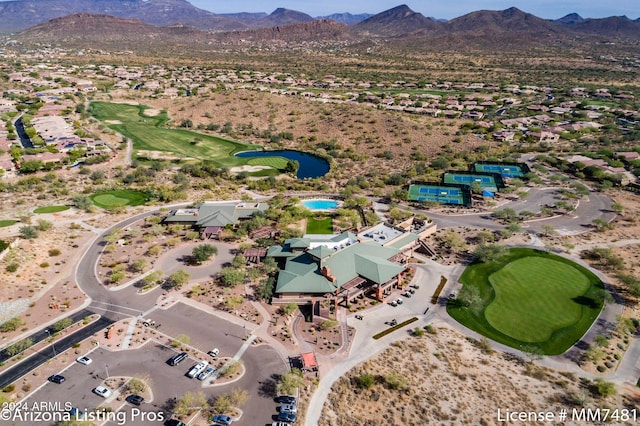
x=197, y=369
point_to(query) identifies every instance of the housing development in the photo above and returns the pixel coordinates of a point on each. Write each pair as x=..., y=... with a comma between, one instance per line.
x=290, y=222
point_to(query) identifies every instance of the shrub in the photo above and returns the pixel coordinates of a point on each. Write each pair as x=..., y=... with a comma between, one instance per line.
x=8, y=388
x=11, y=325
x=436, y=294
x=54, y=252
x=62, y=324
x=394, y=328
x=12, y=267
x=365, y=381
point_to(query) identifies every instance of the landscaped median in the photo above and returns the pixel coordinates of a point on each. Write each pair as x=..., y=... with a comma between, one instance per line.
x=394, y=328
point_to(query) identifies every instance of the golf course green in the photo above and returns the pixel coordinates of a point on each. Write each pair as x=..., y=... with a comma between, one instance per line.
x=118, y=198
x=529, y=298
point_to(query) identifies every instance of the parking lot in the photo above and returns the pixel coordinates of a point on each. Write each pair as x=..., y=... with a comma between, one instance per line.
x=261, y=364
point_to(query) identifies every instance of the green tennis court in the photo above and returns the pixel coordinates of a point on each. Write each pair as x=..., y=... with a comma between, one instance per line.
x=506, y=170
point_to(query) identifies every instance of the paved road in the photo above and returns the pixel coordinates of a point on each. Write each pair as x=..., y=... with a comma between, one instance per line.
x=42, y=356
x=263, y=364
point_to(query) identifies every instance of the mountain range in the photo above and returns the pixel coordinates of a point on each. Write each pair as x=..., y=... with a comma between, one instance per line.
x=17, y=15
x=155, y=21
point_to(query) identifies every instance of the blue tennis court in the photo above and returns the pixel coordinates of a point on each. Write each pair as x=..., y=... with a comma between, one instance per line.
x=440, y=191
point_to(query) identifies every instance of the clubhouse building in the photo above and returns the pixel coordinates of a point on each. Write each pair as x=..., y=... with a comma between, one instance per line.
x=342, y=267
x=210, y=217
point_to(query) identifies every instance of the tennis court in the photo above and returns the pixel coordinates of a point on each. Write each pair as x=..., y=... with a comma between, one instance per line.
x=510, y=171
x=486, y=182
x=440, y=194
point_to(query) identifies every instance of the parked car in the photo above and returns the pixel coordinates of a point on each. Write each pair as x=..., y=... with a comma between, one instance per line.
x=135, y=399
x=102, y=391
x=56, y=378
x=280, y=424
x=173, y=422
x=286, y=417
x=206, y=373
x=288, y=408
x=221, y=419
x=407, y=294
x=197, y=369
x=77, y=413
x=213, y=352
x=393, y=303
x=84, y=360
x=178, y=358
x=399, y=301
x=286, y=399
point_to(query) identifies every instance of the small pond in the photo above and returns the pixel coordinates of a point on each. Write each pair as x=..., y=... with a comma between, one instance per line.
x=311, y=166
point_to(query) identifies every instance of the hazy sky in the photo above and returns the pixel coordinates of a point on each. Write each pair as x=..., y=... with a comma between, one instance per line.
x=548, y=9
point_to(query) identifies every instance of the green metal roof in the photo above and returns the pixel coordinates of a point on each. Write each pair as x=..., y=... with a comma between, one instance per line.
x=302, y=274
x=321, y=252
x=404, y=240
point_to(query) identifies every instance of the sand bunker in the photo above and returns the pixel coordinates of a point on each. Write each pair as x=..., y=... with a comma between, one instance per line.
x=248, y=169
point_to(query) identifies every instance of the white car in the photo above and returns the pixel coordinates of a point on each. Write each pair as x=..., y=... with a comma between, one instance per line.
x=197, y=369
x=102, y=391
x=85, y=360
x=214, y=352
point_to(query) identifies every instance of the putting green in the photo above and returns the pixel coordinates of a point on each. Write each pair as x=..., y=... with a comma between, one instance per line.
x=50, y=209
x=118, y=198
x=529, y=298
x=539, y=292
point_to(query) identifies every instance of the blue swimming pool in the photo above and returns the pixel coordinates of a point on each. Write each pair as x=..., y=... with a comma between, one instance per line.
x=320, y=204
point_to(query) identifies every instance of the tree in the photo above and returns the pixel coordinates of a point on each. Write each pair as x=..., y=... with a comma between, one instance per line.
x=238, y=261
x=289, y=309
x=290, y=382
x=470, y=297
x=139, y=265
x=178, y=279
x=265, y=288
x=605, y=389
x=28, y=232
x=239, y=397
x=62, y=324
x=365, y=380
x=136, y=386
x=190, y=402
x=43, y=225
x=232, y=277
x=548, y=230
x=153, y=278
x=489, y=252
x=222, y=404
x=203, y=252
x=19, y=347
x=11, y=325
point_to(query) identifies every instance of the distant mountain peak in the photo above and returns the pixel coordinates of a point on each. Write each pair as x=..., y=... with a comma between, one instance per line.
x=570, y=19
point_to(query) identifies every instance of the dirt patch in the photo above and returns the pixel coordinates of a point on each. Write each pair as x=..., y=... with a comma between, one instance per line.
x=161, y=155
x=151, y=112
x=248, y=169
x=444, y=378
x=113, y=121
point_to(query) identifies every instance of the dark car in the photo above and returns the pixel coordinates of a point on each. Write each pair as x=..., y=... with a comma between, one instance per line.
x=286, y=399
x=177, y=359
x=173, y=422
x=221, y=419
x=286, y=417
x=56, y=378
x=135, y=399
